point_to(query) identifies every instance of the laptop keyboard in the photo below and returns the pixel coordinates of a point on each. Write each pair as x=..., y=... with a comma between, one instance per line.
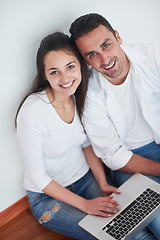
x=133, y=214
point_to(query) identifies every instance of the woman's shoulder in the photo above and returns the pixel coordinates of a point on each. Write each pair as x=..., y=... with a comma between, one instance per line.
x=33, y=105
x=34, y=100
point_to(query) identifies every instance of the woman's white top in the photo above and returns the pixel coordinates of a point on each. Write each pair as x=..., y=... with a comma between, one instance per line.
x=50, y=148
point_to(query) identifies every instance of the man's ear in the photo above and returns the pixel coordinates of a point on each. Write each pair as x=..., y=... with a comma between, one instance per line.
x=119, y=39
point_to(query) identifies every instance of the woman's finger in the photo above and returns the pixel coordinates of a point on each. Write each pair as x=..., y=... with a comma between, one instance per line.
x=109, y=199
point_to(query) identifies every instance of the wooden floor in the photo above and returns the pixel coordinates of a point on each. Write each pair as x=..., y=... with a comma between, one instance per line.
x=25, y=227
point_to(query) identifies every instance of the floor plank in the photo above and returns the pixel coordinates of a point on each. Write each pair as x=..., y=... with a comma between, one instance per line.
x=25, y=227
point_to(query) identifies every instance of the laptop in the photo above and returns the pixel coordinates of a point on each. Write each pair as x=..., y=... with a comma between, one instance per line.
x=139, y=205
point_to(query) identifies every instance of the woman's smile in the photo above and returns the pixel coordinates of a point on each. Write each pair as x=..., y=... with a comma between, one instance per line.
x=68, y=85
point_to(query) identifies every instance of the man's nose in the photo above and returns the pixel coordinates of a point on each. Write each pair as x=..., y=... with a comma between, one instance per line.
x=104, y=59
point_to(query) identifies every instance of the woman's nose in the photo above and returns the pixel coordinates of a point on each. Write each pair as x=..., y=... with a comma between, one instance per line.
x=65, y=77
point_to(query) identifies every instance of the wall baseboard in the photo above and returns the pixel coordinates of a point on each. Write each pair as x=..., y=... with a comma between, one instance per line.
x=13, y=211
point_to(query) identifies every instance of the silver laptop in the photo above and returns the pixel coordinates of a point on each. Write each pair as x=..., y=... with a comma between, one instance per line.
x=139, y=205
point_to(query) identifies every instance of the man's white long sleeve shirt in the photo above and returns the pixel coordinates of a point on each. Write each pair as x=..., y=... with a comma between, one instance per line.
x=103, y=118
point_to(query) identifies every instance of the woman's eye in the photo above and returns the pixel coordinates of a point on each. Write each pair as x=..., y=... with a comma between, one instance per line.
x=71, y=67
x=54, y=73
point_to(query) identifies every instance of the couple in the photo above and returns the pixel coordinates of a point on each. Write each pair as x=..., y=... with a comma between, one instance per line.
x=117, y=100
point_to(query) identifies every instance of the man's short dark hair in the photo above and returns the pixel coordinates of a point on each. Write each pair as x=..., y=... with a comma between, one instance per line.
x=86, y=24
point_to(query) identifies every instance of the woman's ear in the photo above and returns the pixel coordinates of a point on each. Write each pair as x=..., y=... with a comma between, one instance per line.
x=45, y=78
x=119, y=39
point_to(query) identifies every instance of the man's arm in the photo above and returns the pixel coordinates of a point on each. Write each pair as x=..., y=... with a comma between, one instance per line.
x=142, y=165
x=106, y=142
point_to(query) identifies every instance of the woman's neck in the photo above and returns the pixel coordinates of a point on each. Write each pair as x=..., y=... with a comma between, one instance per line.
x=64, y=106
x=58, y=101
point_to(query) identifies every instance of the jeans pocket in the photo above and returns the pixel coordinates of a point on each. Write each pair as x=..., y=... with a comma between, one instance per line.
x=34, y=198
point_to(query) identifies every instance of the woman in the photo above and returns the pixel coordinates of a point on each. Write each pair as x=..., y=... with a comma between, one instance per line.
x=60, y=187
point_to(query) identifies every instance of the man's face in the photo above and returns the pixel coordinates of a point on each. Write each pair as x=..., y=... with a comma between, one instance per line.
x=102, y=51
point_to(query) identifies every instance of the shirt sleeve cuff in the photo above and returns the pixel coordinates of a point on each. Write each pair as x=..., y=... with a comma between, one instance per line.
x=86, y=143
x=119, y=160
x=37, y=181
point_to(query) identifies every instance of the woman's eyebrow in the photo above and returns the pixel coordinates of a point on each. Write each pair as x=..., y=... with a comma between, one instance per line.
x=54, y=68
x=70, y=63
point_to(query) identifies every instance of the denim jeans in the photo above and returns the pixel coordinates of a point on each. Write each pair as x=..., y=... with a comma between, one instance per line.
x=61, y=217
x=151, y=151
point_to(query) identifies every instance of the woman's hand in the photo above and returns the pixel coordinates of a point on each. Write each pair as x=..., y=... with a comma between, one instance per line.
x=107, y=189
x=101, y=206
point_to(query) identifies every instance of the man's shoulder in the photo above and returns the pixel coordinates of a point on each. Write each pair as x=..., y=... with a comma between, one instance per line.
x=136, y=52
x=94, y=87
x=95, y=94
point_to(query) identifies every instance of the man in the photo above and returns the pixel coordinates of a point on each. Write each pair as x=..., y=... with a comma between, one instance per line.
x=122, y=108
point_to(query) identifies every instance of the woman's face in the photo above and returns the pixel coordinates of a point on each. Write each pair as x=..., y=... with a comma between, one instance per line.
x=63, y=71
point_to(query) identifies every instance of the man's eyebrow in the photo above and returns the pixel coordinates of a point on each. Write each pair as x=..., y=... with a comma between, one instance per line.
x=89, y=53
x=104, y=43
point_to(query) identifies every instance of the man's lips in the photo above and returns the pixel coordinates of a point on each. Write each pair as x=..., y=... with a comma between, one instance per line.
x=110, y=66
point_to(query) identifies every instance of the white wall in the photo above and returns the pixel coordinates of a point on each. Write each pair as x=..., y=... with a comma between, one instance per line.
x=23, y=23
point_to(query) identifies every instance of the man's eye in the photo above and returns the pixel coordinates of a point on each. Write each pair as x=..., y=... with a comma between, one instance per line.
x=106, y=46
x=92, y=55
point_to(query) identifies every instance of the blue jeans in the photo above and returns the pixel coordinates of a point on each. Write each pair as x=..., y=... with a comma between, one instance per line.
x=61, y=217
x=151, y=151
